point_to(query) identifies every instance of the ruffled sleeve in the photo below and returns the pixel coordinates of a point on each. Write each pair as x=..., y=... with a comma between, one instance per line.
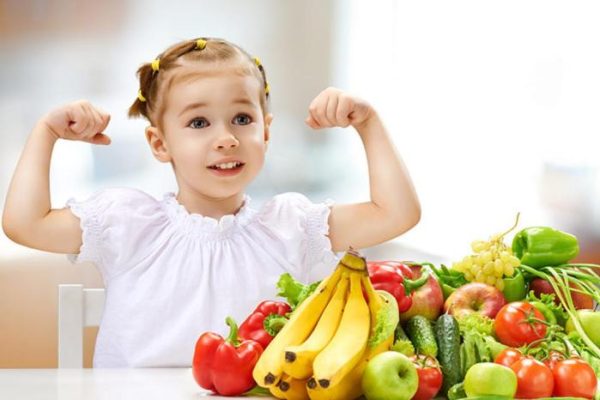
x=117, y=224
x=302, y=227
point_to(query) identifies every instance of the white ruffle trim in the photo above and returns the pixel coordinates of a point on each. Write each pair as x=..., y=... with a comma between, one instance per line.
x=91, y=232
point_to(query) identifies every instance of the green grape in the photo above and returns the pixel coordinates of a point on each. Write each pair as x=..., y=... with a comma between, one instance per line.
x=488, y=268
x=491, y=280
x=479, y=245
x=486, y=257
x=499, y=284
x=458, y=266
x=498, y=266
x=514, y=261
x=476, y=267
x=468, y=262
x=480, y=277
x=509, y=270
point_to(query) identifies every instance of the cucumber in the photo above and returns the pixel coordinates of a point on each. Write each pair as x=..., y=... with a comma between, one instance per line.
x=447, y=335
x=402, y=343
x=421, y=333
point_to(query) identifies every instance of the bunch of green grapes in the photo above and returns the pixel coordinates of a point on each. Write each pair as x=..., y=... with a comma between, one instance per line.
x=491, y=262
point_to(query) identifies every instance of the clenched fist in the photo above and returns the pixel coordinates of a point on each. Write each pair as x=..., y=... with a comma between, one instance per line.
x=78, y=121
x=333, y=108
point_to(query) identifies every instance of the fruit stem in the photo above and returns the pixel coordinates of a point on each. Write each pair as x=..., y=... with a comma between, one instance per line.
x=513, y=227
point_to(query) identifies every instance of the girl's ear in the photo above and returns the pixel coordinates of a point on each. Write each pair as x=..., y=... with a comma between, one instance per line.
x=267, y=123
x=157, y=143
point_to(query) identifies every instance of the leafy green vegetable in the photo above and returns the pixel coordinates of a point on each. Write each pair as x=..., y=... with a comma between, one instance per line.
x=293, y=291
x=476, y=322
x=387, y=319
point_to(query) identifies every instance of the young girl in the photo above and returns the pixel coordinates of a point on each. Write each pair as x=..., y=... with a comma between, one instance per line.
x=176, y=267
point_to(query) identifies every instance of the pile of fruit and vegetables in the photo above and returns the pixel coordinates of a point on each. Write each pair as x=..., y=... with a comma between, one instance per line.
x=504, y=322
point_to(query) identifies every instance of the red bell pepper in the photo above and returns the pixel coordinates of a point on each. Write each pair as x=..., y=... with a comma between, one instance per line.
x=265, y=321
x=225, y=365
x=396, y=278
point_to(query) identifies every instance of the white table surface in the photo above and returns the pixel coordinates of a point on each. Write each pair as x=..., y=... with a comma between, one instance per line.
x=113, y=384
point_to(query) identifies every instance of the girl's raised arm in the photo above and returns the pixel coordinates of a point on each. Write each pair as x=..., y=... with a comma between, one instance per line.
x=28, y=218
x=394, y=207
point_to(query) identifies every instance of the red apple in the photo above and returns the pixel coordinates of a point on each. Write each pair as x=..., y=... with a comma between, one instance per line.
x=428, y=300
x=475, y=297
x=580, y=300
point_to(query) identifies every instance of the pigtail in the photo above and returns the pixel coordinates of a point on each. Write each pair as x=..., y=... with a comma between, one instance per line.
x=140, y=107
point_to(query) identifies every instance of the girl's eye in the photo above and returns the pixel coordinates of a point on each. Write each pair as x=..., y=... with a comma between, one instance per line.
x=198, y=123
x=242, y=119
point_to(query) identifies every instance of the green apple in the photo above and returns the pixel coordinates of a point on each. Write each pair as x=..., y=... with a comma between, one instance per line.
x=490, y=379
x=390, y=376
x=590, y=321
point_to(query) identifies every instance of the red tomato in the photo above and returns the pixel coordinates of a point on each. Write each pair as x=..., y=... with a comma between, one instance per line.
x=508, y=357
x=534, y=379
x=515, y=325
x=553, y=358
x=574, y=378
x=430, y=377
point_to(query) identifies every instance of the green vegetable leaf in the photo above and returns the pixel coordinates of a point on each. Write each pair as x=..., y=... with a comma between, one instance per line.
x=387, y=319
x=476, y=322
x=293, y=291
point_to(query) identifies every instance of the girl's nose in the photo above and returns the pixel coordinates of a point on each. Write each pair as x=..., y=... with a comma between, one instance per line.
x=226, y=140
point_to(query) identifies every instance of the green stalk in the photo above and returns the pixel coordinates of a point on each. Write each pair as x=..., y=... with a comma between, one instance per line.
x=581, y=275
x=567, y=302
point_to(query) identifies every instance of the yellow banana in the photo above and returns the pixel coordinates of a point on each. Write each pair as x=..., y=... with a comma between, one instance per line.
x=350, y=340
x=353, y=260
x=349, y=387
x=290, y=389
x=268, y=369
x=298, y=360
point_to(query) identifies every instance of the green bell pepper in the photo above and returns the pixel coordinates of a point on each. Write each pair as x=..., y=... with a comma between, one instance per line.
x=515, y=288
x=541, y=246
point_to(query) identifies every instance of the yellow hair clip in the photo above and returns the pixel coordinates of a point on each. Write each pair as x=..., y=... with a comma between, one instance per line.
x=155, y=64
x=200, y=44
x=267, y=89
x=257, y=61
x=141, y=96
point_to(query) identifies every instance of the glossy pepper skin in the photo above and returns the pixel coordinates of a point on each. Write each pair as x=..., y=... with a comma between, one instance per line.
x=396, y=278
x=225, y=365
x=260, y=326
x=515, y=287
x=541, y=246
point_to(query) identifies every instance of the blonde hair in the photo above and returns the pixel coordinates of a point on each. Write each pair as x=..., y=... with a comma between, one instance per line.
x=153, y=80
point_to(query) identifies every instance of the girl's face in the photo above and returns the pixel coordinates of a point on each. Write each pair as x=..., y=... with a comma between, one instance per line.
x=209, y=122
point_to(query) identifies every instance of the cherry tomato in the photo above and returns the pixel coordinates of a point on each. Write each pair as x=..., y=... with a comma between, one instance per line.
x=508, y=357
x=534, y=379
x=430, y=377
x=516, y=324
x=574, y=378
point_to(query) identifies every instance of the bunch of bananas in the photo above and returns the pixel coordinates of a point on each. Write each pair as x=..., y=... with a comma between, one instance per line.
x=322, y=351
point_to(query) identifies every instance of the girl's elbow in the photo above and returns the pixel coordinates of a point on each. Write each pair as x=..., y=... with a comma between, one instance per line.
x=7, y=226
x=407, y=221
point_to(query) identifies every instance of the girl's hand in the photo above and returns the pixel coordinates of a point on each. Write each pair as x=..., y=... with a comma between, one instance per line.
x=332, y=107
x=78, y=121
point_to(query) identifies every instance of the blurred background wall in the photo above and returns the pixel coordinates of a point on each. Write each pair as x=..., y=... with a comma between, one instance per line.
x=493, y=106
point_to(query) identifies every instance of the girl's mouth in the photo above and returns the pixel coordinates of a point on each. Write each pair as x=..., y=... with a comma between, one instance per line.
x=227, y=169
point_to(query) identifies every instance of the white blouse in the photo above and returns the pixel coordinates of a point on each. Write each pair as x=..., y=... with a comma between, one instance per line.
x=171, y=275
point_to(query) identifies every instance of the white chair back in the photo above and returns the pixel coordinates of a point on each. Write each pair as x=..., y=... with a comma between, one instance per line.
x=77, y=308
